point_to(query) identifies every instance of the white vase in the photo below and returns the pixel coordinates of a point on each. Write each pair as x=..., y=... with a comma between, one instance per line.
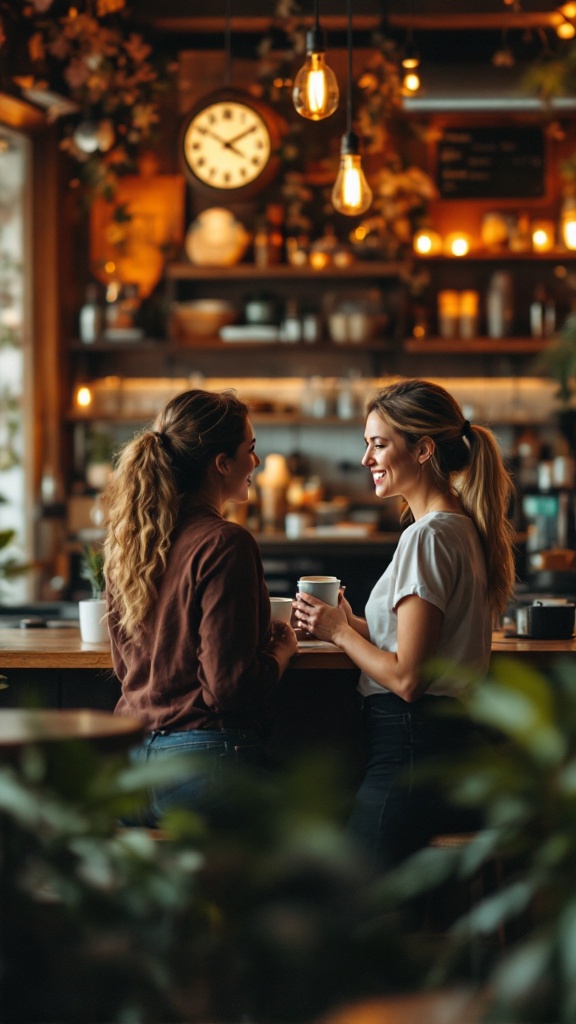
x=93, y=628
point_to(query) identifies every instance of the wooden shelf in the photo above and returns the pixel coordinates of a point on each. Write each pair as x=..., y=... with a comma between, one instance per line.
x=213, y=343
x=284, y=272
x=270, y=419
x=499, y=256
x=476, y=346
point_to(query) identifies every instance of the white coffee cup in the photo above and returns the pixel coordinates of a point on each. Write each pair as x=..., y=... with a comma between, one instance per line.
x=323, y=587
x=281, y=608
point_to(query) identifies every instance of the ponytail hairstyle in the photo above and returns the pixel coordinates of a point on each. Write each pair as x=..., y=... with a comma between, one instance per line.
x=466, y=460
x=156, y=471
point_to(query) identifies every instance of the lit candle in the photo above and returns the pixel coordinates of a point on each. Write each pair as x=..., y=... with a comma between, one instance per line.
x=543, y=235
x=427, y=242
x=457, y=244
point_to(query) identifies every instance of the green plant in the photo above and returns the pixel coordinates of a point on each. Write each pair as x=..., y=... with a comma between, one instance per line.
x=261, y=916
x=10, y=566
x=92, y=568
x=525, y=782
x=559, y=359
x=99, y=447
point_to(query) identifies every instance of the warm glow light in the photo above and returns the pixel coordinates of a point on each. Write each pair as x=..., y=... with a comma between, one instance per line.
x=83, y=397
x=351, y=194
x=318, y=260
x=427, y=242
x=411, y=82
x=565, y=30
x=568, y=222
x=569, y=10
x=315, y=93
x=457, y=244
x=543, y=236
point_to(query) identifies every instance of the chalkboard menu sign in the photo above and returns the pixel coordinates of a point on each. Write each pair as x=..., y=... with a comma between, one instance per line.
x=491, y=163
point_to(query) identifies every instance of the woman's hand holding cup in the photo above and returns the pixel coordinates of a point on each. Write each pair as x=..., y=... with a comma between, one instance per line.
x=316, y=607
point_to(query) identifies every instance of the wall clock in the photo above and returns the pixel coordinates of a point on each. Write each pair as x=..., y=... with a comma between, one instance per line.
x=229, y=144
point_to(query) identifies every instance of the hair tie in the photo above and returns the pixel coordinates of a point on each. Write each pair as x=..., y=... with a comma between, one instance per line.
x=466, y=429
x=163, y=440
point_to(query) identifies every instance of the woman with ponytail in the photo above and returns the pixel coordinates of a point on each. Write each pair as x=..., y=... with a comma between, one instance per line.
x=189, y=614
x=449, y=580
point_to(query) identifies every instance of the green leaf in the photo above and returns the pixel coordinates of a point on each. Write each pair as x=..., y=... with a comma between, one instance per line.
x=521, y=971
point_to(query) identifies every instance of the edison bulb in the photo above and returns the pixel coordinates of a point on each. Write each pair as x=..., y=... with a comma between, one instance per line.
x=351, y=194
x=411, y=82
x=315, y=93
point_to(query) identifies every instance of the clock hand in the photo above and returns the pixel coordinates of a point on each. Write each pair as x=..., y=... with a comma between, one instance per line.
x=241, y=135
x=223, y=142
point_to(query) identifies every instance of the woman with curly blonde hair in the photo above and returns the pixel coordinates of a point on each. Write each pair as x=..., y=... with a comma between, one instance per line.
x=189, y=614
x=432, y=611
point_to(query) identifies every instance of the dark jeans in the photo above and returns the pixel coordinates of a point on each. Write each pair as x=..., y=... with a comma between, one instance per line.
x=399, y=805
x=204, y=788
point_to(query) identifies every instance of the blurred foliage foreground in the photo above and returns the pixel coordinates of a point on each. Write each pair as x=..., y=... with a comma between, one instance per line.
x=269, y=915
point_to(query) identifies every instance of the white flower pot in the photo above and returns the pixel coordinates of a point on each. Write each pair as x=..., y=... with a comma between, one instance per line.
x=93, y=628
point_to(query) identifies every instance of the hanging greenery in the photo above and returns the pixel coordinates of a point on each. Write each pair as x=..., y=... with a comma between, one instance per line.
x=97, y=76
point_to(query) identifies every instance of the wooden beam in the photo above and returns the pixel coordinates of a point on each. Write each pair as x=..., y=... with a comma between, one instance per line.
x=16, y=113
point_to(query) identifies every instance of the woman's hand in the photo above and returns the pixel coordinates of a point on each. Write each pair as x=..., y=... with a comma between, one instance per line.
x=282, y=638
x=319, y=618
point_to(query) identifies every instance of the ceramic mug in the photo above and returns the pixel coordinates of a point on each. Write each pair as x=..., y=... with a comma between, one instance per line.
x=281, y=608
x=325, y=588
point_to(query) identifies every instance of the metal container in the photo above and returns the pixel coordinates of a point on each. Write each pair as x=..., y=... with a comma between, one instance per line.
x=546, y=621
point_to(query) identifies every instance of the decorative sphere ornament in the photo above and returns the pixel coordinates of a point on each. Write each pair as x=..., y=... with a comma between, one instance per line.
x=85, y=136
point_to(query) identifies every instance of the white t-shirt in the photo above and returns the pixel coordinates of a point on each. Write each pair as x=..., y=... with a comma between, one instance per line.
x=440, y=559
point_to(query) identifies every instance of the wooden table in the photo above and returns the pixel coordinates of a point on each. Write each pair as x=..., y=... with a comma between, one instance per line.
x=22, y=726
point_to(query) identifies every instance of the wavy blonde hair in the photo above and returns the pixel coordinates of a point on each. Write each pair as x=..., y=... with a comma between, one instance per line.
x=156, y=472
x=466, y=459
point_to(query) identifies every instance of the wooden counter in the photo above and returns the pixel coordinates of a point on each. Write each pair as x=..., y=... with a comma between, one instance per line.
x=317, y=701
x=63, y=649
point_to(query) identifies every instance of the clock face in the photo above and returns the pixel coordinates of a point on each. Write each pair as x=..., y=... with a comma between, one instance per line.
x=227, y=145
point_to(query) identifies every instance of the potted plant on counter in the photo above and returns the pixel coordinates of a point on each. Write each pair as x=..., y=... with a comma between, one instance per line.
x=92, y=611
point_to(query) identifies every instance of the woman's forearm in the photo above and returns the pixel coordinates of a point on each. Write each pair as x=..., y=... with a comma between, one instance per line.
x=359, y=625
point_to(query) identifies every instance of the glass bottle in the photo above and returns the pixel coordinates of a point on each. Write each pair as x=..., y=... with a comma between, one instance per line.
x=91, y=316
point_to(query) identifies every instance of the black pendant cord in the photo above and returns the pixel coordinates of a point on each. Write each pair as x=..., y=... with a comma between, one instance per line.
x=316, y=15
x=349, y=98
x=228, y=44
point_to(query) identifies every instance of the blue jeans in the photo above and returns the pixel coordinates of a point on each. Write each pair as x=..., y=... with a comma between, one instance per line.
x=394, y=813
x=203, y=789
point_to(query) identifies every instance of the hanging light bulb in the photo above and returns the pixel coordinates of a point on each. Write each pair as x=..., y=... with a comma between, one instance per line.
x=351, y=194
x=410, y=83
x=411, y=57
x=315, y=93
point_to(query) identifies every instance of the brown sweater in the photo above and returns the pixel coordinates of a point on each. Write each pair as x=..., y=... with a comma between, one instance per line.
x=201, y=662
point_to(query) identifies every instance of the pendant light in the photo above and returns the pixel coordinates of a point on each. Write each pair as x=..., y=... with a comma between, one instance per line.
x=351, y=194
x=315, y=93
x=410, y=63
